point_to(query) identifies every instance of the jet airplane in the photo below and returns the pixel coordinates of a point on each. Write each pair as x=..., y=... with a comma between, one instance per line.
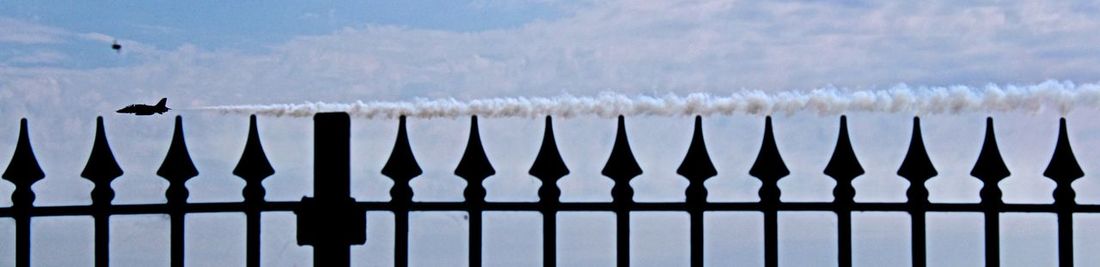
x=145, y=110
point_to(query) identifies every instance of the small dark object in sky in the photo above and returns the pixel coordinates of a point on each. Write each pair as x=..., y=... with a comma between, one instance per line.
x=144, y=110
x=117, y=47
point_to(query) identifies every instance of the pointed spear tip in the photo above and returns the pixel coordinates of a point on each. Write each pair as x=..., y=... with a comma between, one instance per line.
x=917, y=166
x=253, y=163
x=621, y=164
x=1063, y=166
x=101, y=163
x=474, y=163
x=23, y=164
x=697, y=163
x=769, y=165
x=401, y=164
x=548, y=163
x=990, y=166
x=23, y=167
x=843, y=164
x=177, y=165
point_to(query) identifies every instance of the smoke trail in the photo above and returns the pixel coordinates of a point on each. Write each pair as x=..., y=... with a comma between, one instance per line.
x=1055, y=95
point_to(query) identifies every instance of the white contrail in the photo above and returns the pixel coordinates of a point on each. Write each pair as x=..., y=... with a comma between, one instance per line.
x=1050, y=95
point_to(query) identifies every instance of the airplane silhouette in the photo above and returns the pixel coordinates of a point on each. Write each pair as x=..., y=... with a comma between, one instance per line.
x=145, y=110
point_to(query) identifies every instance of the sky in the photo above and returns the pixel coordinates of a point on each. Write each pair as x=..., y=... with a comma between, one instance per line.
x=58, y=71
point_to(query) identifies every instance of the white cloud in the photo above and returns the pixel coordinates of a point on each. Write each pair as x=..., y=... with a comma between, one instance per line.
x=38, y=57
x=24, y=32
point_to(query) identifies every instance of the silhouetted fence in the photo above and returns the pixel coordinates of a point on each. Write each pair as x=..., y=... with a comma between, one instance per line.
x=331, y=221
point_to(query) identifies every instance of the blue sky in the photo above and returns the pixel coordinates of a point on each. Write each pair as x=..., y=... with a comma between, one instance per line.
x=57, y=70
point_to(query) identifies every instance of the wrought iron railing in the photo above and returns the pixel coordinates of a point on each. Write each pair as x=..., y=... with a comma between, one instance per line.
x=331, y=221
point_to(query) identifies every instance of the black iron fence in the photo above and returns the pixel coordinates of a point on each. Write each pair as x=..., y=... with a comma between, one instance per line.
x=331, y=221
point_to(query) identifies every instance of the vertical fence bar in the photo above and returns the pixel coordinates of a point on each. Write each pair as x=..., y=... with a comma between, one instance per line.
x=990, y=169
x=769, y=168
x=621, y=167
x=474, y=167
x=101, y=169
x=23, y=171
x=549, y=167
x=1064, y=169
x=253, y=167
x=177, y=168
x=917, y=168
x=402, y=168
x=330, y=221
x=697, y=168
x=844, y=167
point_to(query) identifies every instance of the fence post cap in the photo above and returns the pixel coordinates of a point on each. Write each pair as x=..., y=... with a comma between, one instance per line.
x=917, y=166
x=697, y=164
x=548, y=163
x=769, y=164
x=177, y=165
x=621, y=165
x=474, y=163
x=1063, y=166
x=23, y=169
x=101, y=165
x=253, y=164
x=402, y=163
x=843, y=164
x=990, y=166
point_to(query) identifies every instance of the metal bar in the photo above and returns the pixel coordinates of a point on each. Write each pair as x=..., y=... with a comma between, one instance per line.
x=844, y=238
x=23, y=241
x=1065, y=239
x=918, y=239
x=622, y=238
x=475, y=238
x=177, y=226
x=549, y=239
x=992, y=239
x=401, y=238
x=102, y=240
x=697, y=244
x=771, y=239
x=252, y=238
x=285, y=206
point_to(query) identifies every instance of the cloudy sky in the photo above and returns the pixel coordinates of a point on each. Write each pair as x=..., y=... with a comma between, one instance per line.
x=57, y=70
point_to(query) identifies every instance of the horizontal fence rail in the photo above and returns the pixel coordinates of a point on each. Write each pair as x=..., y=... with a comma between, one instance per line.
x=331, y=221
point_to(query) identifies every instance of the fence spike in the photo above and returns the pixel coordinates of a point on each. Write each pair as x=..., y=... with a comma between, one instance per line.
x=843, y=164
x=1063, y=166
x=548, y=165
x=990, y=167
x=177, y=165
x=402, y=163
x=769, y=164
x=23, y=169
x=253, y=164
x=917, y=167
x=474, y=165
x=697, y=164
x=621, y=165
x=101, y=166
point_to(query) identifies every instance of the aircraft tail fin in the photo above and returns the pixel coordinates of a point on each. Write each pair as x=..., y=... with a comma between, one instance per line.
x=163, y=102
